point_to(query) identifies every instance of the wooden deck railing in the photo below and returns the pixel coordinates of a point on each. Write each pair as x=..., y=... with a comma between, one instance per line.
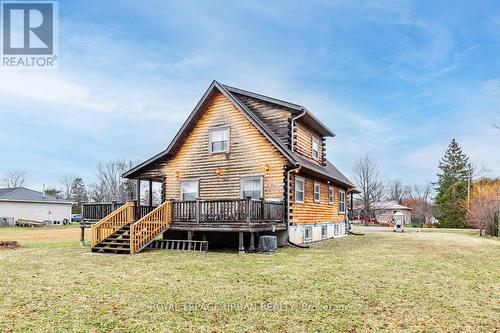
x=95, y=211
x=228, y=210
x=112, y=222
x=147, y=228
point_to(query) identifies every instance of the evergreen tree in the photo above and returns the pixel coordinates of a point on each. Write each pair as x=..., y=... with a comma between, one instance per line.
x=452, y=187
x=79, y=194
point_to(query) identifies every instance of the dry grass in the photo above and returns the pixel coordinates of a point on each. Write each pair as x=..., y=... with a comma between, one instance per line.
x=378, y=282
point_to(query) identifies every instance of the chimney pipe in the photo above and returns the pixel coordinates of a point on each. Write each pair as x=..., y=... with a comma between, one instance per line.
x=43, y=191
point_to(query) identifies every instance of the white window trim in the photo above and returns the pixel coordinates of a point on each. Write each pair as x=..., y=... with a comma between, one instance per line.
x=326, y=231
x=303, y=180
x=314, y=192
x=224, y=128
x=242, y=179
x=307, y=240
x=312, y=149
x=197, y=180
x=344, y=201
x=331, y=198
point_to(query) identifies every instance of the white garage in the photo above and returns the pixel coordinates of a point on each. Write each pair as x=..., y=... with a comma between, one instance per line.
x=22, y=203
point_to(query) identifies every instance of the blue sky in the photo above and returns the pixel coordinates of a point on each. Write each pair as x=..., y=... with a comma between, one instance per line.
x=396, y=79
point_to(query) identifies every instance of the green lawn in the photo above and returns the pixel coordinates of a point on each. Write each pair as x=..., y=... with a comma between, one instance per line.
x=379, y=282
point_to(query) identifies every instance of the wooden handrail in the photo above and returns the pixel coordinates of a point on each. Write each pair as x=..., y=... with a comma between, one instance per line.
x=147, y=229
x=112, y=222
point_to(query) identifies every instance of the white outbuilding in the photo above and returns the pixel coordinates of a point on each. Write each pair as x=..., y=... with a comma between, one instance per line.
x=25, y=204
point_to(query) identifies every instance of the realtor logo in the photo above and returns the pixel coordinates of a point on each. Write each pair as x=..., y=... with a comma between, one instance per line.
x=29, y=33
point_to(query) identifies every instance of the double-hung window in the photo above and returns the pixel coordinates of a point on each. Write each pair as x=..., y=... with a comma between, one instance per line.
x=315, y=149
x=317, y=192
x=189, y=190
x=341, y=202
x=251, y=187
x=218, y=141
x=330, y=195
x=299, y=189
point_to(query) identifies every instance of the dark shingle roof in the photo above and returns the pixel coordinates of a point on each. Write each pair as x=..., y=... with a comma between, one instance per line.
x=328, y=171
x=27, y=195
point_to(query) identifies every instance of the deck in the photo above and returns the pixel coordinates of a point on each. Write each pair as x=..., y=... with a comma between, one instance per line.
x=227, y=215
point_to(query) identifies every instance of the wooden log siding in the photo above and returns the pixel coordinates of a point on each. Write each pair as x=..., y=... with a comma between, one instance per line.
x=275, y=117
x=303, y=142
x=311, y=212
x=249, y=154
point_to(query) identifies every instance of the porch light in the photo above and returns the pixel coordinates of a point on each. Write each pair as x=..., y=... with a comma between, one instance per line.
x=267, y=168
x=218, y=172
x=177, y=175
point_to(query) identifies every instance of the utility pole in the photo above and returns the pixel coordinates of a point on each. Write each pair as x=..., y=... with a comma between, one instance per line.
x=468, y=187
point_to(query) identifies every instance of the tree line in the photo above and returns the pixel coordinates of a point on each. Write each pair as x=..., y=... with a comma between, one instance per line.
x=109, y=186
x=460, y=198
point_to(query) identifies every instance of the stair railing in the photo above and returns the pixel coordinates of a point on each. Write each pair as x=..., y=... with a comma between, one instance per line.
x=112, y=222
x=150, y=226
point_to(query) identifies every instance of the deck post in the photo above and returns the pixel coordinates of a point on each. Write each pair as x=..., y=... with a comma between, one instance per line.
x=248, y=209
x=190, y=238
x=150, y=201
x=197, y=210
x=138, y=201
x=262, y=209
x=252, y=242
x=241, y=247
x=82, y=235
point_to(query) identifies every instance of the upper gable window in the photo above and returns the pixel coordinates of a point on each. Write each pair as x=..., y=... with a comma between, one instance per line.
x=218, y=141
x=315, y=149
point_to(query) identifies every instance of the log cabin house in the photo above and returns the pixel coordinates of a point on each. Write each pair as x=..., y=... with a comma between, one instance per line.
x=242, y=165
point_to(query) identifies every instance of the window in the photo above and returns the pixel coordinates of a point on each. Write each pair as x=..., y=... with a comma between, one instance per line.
x=330, y=195
x=218, y=140
x=315, y=149
x=189, y=190
x=336, y=230
x=341, y=201
x=299, y=189
x=308, y=234
x=324, y=229
x=380, y=212
x=317, y=192
x=251, y=187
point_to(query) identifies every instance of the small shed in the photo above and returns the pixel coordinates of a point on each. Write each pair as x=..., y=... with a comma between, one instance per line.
x=25, y=204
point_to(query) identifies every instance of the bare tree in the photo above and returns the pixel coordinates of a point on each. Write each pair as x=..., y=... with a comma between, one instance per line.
x=15, y=178
x=418, y=198
x=110, y=185
x=369, y=182
x=396, y=190
x=484, y=207
x=67, y=182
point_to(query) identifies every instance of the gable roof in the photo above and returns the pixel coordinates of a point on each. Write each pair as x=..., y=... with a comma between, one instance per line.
x=386, y=205
x=329, y=170
x=26, y=195
x=296, y=109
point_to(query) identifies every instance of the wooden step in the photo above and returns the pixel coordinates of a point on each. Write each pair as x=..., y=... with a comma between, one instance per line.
x=115, y=244
x=115, y=250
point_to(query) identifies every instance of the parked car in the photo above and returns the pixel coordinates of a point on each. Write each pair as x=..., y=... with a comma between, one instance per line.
x=76, y=218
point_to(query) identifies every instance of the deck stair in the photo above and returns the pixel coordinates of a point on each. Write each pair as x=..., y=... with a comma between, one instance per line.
x=117, y=243
x=120, y=233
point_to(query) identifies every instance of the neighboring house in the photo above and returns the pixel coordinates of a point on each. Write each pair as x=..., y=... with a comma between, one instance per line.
x=237, y=145
x=22, y=203
x=382, y=212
